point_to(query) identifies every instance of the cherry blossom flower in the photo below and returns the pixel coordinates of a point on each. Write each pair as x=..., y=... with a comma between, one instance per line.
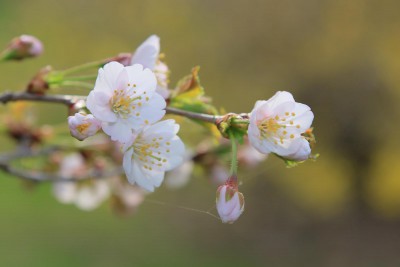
x=148, y=54
x=82, y=125
x=124, y=100
x=156, y=149
x=230, y=202
x=276, y=126
x=85, y=194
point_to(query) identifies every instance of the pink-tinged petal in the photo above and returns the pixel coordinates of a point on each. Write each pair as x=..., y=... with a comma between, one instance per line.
x=229, y=210
x=147, y=53
x=82, y=126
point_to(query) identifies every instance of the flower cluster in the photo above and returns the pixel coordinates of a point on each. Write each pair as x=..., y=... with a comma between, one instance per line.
x=128, y=102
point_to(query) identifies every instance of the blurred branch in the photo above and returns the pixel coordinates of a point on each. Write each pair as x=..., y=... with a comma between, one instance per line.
x=38, y=176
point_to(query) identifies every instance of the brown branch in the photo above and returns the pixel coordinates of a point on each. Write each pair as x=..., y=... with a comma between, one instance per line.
x=193, y=115
x=62, y=99
x=72, y=99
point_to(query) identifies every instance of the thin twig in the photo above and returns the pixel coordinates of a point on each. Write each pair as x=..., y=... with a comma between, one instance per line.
x=72, y=99
x=192, y=115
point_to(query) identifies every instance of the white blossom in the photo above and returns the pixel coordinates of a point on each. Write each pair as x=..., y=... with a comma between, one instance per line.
x=156, y=149
x=230, y=203
x=127, y=198
x=85, y=194
x=276, y=126
x=124, y=100
x=148, y=54
x=249, y=156
x=82, y=125
x=180, y=176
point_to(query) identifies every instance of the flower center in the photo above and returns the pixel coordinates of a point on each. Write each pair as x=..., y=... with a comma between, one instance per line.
x=82, y=128
x=269, y=127
x=150, y=154
x=121, y=103
x=276, y=128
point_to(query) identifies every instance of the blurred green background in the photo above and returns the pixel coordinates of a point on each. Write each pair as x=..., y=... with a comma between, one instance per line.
x=340, y=57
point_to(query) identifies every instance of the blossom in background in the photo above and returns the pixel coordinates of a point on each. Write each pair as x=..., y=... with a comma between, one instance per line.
x=148, y=55
x=218, y=173
x=124, y=100
x=82, y=125
x=276, y=126
x=126, y=198
x=230, y=202
x=249, y=156
x=22, y=47
x=156, y=149
x=85, y=194
x=180, y=176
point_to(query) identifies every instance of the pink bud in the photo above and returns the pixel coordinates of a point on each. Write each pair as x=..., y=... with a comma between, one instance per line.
x=123, y=58
x=82, y=125
x=230, y=202
x=22, y=47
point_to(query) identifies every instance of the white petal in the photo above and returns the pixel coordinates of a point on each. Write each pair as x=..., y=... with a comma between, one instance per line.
x=118, y=131
x=127, y=161
x=280, y=97
x=139, y=177
x=144, y=80
x=100, y=111
x=147, y=53
x=111, y=73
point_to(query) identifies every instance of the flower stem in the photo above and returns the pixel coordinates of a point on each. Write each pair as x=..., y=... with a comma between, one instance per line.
x=81, y=78
x=234, y=162
x=86, y=66
x=77, y=84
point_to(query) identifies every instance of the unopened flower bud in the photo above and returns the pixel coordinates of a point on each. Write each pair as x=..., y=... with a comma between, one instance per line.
x=39, y=84
x=82, y=125
x=22, y=47
x=230, y=202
